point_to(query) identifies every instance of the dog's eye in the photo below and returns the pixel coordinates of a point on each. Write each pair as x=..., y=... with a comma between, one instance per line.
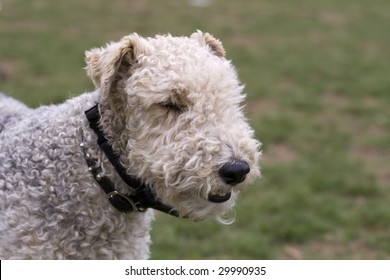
x=171, y=106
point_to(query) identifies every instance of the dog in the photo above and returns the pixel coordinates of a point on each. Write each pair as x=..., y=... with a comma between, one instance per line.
x=164, y=130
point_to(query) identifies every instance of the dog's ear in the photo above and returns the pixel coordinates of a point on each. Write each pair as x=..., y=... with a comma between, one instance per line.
x=214, y=44
x=108, y=65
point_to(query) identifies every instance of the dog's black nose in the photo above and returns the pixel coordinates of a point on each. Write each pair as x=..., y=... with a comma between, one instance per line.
x=233, y=173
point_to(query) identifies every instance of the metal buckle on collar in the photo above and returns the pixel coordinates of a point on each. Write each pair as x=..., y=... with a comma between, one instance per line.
x=121, y=202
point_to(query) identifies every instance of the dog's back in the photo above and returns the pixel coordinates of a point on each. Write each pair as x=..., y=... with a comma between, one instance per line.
x=11, y=111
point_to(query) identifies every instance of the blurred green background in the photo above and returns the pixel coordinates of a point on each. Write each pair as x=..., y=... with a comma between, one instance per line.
x=318, y=85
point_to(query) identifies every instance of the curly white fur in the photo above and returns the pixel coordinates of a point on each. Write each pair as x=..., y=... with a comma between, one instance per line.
x=171, y=107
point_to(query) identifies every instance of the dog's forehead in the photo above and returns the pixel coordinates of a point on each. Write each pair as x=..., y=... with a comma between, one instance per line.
x=184, y=62
x=185, y=71
x=178, y=50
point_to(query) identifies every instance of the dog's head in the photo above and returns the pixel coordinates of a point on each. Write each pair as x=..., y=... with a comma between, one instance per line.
x=172, y=107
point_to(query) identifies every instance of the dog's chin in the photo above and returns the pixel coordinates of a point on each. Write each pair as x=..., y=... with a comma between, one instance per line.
x=218, y=207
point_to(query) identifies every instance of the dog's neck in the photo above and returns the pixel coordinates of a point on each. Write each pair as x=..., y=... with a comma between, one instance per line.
x=143, y=196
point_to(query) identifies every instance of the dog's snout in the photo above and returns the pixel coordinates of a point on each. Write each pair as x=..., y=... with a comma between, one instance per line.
x=234, y=172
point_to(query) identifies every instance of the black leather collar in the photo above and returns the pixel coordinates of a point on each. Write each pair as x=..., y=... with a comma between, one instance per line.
x=143, y=197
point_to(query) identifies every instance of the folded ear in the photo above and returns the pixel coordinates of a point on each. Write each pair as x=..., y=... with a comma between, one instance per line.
x=214, y=44
x=108, y=65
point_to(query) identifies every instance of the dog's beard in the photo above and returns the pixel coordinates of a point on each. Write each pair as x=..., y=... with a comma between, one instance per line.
x=195, y=204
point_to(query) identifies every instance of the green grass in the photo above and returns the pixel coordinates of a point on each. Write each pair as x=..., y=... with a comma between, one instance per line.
x=317, y=78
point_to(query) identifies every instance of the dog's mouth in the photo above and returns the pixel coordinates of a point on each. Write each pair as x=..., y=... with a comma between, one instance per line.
x=217, y=198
